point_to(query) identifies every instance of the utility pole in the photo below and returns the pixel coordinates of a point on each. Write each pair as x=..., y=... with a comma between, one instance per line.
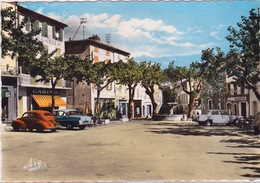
x=82, y=21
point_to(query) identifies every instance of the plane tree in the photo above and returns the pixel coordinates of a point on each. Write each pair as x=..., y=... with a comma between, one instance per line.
x=209, y=70
x=190, y=81
x=152, y=76
x=242, y=60
x=128, y=73
x=52, y=69
x=100, y=75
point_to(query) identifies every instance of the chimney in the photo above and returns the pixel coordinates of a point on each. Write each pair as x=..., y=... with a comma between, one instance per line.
x=94, y=38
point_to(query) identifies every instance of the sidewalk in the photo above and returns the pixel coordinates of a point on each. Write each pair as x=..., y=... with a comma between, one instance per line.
x=6, y=126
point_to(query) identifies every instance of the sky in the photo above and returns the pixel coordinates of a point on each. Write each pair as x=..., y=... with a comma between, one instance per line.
x=157, y=32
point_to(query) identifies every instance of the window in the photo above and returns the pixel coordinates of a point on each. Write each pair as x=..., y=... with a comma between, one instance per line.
x=28, y=24
x=109, y=86
x=61, y=34
x=44, y=29
x=106, y=61
x=107, y=52
x=57, y=33
x=35, y=25
x=96, y=49
x=95, y=59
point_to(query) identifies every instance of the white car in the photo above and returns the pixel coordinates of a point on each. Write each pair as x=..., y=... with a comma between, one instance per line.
x=71, y=118
x=216, y=117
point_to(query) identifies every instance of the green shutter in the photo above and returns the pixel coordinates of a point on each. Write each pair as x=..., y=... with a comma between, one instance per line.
x=36, y=25
x=53, y=32
x=45, y=29
x=61, y=34
x=5, y=92
x=28, y=24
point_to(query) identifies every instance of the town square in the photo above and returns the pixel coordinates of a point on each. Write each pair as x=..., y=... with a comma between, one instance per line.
x=130, y=91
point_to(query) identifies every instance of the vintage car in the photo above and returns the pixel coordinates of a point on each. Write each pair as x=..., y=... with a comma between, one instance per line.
x=216, y=117
x=36, y=119
x=71, y=118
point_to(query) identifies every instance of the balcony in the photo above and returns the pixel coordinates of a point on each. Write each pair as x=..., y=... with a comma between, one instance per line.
x=8, y=71
x=28, y=81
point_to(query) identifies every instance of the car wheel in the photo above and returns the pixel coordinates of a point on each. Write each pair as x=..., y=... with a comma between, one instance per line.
x=54, y=130
x=235, y=122
x=82, y=127
x=39, y=130
x=16, y=127
x=208, y=123
x=30, y=129
x=69, y=126
x=257, y=129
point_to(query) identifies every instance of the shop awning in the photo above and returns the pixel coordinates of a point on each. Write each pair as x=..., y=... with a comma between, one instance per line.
x=45, y=100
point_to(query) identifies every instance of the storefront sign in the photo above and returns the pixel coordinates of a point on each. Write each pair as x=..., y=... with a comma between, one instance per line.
x=237, y=99
x=8, y=94
x=45, y=91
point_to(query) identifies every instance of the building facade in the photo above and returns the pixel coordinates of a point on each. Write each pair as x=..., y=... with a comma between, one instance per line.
x=20, y=91
x=83, y=96
x=114, y=98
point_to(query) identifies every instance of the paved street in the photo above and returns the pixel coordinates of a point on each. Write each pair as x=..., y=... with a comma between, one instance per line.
x=132, y=151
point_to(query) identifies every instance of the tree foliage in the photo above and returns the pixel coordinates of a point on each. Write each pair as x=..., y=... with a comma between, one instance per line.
x=152, y=76
x=101, y=75
x=129, y=74
x=50, y=69
x=242, y=61
x=16, y=41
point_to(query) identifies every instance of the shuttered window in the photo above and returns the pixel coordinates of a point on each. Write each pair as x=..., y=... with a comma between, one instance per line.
x=45, y=29
x=28, y=24
x=36, y=25
x=95, y=59
x=61, y=35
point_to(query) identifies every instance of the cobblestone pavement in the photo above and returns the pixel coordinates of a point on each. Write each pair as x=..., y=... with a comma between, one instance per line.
x=135, y=151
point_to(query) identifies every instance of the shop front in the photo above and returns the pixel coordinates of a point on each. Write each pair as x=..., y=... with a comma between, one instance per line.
x=238, y=105
x=122, y=109
x=8, y=103
x=41, y=98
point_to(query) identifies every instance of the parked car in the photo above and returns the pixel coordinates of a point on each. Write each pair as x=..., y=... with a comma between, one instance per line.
x=71, y=118
x=256, y=123
x=36, y=119
x=216, y=117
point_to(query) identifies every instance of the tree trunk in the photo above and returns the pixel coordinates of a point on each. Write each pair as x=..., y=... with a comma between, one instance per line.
x=97, y=106
x=191, y=106
x=131, y=93
x=150, y=92
x=52, y=98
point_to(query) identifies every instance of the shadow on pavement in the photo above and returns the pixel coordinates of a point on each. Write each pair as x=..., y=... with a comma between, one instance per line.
x=238, y=139
x=190, y=129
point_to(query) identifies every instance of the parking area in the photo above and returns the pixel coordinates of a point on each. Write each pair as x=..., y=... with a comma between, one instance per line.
x=131, y=151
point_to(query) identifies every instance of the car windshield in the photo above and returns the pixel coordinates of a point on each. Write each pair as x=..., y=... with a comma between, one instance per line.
x=224, y=113
x=72, y=113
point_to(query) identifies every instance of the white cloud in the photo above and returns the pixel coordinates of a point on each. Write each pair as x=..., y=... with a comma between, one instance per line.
x=143, y=38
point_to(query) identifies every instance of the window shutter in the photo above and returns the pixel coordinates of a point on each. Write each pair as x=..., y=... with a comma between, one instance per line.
x=36, y=25
x=53, y=32
x=28, y=24
x=44, y=29
x=61, y=34
x=95, y=59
